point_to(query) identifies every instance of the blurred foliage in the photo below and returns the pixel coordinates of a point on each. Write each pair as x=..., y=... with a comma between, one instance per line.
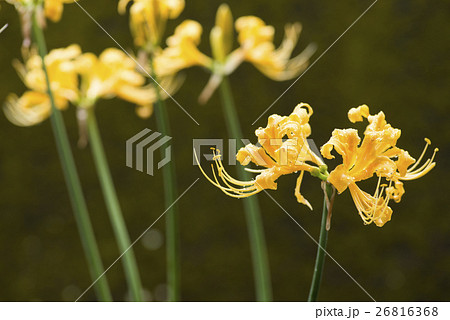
x=395, y=59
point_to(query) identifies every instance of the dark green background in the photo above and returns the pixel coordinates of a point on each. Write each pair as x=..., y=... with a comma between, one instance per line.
x=395, y=59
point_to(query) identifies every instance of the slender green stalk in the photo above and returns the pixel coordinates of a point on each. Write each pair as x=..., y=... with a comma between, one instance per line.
x=73, y=184
x=255, y=227
x=170, y=192
x=114, y=210
x=320, y=257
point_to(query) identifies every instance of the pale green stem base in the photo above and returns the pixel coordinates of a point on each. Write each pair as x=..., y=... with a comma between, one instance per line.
x=320, y=257
x=261, y=270
x=73, y=184
x=114, y=210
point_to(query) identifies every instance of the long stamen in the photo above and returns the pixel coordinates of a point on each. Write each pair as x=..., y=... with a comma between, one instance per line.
x=363, y=203
x=376, y=197
x=386, y=202
x=428, y=142
x=423, y=170
x=255, y=170
x=369, y=207
x=232, y=191
x=249, y=187
x=221, y=169
x=233, y=188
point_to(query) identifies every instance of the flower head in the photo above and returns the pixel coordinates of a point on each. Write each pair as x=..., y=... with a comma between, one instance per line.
x=283, y=150
x=256, y=40
x=34, y=105
x=182, y=51
x=256, y=46
x=81, y=79
x=148, y=19
x=376, y=155
x=113, y=74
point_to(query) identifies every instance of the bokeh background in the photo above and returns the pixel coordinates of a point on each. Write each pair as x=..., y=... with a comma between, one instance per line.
x=395, y=59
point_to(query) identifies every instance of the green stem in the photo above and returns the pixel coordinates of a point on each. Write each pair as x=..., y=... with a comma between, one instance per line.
x=320, y=257
x=114, y=210
x=255, y=227
x=170, y=192
x=73, y=183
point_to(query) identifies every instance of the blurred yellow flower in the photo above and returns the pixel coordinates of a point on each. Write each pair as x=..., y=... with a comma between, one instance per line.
x=283, y=150
x=256, y=40
x=34, y=105
x=256, y=46
x=113, y=74
x=148, y=19
x=377, y=154
x=182, y=51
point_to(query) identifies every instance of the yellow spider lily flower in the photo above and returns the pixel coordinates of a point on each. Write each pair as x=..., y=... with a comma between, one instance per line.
x=284, y=149
x=256, y=40
x=256, y=46
x=376, y=154
x=114, y=74
x=34, y=106
x=148, y=19
x=182, y=51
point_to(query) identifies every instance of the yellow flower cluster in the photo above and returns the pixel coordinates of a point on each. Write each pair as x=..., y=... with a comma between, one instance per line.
x=109, y=75
x=34, y=105
x=376, y=155
x=256, y=46
x=284, y=149
x=148, y=19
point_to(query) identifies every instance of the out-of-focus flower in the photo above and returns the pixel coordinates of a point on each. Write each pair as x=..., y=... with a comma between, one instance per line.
x=182, y=51
x=113, y=74
x=34, y=105
x=256, y=40
x=256, y=46
x=377, y=154
x=148, y=19
x=283, y=150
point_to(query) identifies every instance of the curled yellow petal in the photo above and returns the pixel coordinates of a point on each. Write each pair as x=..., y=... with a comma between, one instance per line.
x=300, y=198
x=357, y=114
